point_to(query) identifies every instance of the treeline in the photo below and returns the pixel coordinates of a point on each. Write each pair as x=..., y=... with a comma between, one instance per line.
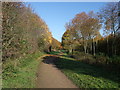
x=105, y=45
x=24, y=32
x=83, y=34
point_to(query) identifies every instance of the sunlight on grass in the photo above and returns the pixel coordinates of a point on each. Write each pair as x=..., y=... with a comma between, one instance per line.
x=25, y=76
x=88, y=81
x=88, y=76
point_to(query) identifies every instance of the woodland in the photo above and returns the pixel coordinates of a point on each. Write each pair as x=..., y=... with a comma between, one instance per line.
x=26, y=37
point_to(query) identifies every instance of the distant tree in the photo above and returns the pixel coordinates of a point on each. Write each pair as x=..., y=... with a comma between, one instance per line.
x=55, y=44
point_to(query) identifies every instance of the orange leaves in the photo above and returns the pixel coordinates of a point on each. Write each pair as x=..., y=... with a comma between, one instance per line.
x=79, y=18
x=81, y=30
x=87, y=24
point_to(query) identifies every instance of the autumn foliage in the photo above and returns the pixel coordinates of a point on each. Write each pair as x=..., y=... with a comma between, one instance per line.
x=83, y=35
x=23, y=32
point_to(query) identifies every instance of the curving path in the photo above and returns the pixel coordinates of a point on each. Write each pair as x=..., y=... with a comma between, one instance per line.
x=49, y=76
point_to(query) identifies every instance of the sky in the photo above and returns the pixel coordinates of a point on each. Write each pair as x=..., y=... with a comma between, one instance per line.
x=57, y=14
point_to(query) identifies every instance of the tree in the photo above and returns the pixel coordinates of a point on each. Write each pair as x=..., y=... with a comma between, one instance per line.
x=23, y=31
x=55, y=44
x=84, y=27
x=109, y=18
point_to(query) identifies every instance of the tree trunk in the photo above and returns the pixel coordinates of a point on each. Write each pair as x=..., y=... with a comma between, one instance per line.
x=108, y=47
x=93, y=47
x=85, y=49
x=72, y=51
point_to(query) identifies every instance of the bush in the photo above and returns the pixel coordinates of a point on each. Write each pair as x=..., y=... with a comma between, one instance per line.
x=9, y=70
x=100, y=59
x=88, y=58
x=114, y=60
x=24, y=74
x=22, y=35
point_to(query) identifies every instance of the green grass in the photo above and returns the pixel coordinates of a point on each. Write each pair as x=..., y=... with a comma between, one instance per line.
x=24, y=75
x=54, y=52
x=88, y=76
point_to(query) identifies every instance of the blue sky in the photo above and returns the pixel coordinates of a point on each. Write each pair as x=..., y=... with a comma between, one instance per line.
x=57, y=14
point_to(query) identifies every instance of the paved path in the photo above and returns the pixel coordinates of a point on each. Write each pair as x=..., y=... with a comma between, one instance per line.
x=49, y=76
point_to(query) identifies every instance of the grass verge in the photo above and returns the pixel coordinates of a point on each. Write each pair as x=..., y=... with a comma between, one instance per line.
x=54, y=52
x=23, y=75
x=88, y=76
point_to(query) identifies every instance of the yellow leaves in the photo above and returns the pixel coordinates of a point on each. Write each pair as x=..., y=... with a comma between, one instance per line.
x=44, y=39
x=50, y=41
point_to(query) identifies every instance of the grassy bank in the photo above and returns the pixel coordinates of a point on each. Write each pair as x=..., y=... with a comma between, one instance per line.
x=88, y=76
x=24, y=74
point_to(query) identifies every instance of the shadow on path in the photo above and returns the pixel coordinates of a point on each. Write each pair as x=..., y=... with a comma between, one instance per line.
x=49, y=76
x=86, y=69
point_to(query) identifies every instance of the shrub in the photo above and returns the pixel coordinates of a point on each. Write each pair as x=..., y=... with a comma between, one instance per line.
x=114, y=60
x=88, y=58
